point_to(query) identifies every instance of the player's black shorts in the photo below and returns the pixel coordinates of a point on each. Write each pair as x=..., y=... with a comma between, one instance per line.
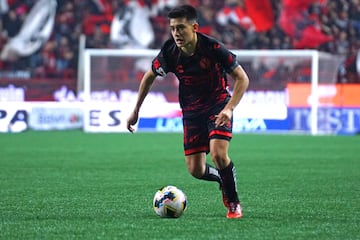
x=198, y=132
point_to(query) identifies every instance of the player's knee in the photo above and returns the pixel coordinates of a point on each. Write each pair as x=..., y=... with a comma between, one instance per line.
x=195, y=172
x=219, y=158
x=196, y=165
x=216, y=156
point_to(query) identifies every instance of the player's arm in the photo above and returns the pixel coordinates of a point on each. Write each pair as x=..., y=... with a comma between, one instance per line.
x=144, y=88
x=241, y=84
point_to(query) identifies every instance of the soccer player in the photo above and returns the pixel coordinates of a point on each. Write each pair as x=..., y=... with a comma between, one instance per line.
x=201, y=63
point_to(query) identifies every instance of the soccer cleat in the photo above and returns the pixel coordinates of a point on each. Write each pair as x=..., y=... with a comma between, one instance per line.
x=234, y=210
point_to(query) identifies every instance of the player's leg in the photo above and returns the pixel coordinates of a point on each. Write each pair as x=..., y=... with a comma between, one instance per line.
x=226, y=168
x=219, y=155
x=219, y=145
x=196, y=145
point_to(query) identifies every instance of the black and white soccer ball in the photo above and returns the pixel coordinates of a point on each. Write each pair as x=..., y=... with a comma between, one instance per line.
x=169, y=202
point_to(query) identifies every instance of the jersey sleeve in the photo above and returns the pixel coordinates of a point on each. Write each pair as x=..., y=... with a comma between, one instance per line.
x=225, y=57
x=158, y=64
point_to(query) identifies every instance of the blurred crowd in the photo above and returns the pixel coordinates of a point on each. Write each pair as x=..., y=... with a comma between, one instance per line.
x=337, y=20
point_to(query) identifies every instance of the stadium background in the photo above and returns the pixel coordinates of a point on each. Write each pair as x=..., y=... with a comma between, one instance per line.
x=74, y=185
x=45, y=67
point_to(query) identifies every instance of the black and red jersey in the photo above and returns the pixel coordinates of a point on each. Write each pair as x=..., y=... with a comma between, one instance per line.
x=202, y=77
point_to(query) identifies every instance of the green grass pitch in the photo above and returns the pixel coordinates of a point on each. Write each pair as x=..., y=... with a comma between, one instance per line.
x=73, y=185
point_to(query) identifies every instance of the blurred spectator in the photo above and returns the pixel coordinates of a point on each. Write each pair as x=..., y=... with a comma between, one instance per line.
x=12, y=23
x=342, y=43
x=354, y=15
x=44, y=62
x=98, y=38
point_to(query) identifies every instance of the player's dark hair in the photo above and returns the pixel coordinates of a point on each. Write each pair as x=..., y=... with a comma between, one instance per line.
x=183, y=11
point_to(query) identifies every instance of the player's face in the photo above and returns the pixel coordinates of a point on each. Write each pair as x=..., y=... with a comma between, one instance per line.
x=183, y=32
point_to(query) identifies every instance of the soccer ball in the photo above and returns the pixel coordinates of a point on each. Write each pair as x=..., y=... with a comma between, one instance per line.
x=169, y=202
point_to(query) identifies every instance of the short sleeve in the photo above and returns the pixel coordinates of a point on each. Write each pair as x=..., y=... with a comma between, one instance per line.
x=159, y=66
x=225, y=57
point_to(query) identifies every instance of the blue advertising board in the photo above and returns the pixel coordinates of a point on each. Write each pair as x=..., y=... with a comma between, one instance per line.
x=340, y=121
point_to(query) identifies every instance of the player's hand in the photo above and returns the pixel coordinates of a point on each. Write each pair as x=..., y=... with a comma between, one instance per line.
x=132, y=120
x=223, y=117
